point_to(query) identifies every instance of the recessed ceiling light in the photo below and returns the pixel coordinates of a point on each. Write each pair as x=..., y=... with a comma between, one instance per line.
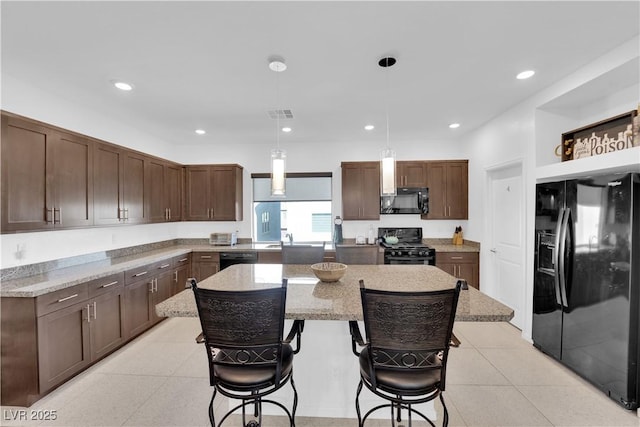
x=277, y=64
x=122, y=85
x=369, y=127
x=454, y=125
x=525, y=74
x=200, y=131
x=286, y=129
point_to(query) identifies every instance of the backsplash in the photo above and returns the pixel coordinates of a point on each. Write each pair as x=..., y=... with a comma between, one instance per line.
x=43, y=267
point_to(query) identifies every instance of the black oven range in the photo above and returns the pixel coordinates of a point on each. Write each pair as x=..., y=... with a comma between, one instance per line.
x=404, y=246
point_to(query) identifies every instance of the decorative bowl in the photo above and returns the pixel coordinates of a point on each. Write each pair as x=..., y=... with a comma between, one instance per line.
x=329, y=271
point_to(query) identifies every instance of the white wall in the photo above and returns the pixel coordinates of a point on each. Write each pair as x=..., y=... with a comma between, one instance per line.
x=25, y=248
x=528, y=134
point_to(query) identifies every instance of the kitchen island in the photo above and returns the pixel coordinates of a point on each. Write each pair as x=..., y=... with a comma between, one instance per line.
x=326, y=371
x=310, y=299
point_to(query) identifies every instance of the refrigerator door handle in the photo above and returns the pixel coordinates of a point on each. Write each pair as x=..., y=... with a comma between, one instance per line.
x=562, y=274
x=556, y=256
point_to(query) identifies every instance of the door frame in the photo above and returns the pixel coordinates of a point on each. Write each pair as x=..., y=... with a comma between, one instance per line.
x=488, y=268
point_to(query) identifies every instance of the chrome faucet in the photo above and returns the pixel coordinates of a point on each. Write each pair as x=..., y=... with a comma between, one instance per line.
x=290, y=237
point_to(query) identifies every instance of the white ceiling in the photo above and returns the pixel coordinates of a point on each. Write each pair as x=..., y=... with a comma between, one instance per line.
x=204, y=64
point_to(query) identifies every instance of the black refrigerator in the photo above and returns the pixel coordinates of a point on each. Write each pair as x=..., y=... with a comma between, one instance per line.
x=586, y=296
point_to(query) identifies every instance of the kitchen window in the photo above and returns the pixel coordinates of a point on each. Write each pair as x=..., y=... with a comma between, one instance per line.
x=304, y=213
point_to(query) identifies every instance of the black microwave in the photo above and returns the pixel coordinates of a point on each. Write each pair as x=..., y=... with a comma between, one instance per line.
x=408, y=200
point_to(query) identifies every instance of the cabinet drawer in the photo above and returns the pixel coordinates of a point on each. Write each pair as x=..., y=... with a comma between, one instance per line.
x=139, y=273
x=456, y=257
x=162, y=266
x=182, y=260
x=63, y=298
x=105, y=284
x=206, y=257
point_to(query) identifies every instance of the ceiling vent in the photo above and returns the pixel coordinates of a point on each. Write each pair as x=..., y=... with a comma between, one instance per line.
x=280, y=114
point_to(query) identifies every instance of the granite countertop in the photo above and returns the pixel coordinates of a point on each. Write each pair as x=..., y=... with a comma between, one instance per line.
x=310, y=299
x=56, y=279
x=40, y=284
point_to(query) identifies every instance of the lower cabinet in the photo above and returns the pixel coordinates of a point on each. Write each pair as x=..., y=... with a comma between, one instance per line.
x=64, y=347
x=204, y=264
x=48, y=339
x=181, y=272
x=463, y=265
x=145, y=287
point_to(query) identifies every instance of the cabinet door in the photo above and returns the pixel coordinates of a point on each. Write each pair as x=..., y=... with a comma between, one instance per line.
x=436, y=181
x=135, y=186
x=107, y=323
x=63, y=344
x=138, y=307
x=163, y=289
x=463, y=265
x=173, y=191
x=447, y=267
x=370, y=191
x=198, y=190
x=470, y=273
x=351, y=191
x=73, y=181
x=180, y=276
x=108, y=177
x=157, y=206
x=205, y=264
x=225, y=201
x=26, y=201
x=360, y=190
x=457, y=190
x=203, y=269
x=411, y=174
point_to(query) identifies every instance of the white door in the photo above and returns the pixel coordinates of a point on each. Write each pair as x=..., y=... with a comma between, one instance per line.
x=507, y=239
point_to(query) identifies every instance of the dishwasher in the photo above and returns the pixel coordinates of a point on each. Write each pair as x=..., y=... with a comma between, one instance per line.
x=237, y=257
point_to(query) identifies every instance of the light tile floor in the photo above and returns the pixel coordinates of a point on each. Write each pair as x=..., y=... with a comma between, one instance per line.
x=495, y=378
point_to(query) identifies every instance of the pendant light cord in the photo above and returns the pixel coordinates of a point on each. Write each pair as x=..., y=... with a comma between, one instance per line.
x=278, y=110
x=388, y=93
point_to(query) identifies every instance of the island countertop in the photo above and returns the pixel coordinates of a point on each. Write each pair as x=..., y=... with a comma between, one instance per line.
x=310, y=299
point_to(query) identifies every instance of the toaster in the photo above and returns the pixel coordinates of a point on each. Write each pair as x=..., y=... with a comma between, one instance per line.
x=223, y=239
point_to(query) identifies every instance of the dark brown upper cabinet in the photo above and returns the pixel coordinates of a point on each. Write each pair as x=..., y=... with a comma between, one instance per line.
x=411, y=174
x=214, y=193
x=360, y=190
x=122, y=186
x=448, y=184
x=165, y=195
x=47, y=177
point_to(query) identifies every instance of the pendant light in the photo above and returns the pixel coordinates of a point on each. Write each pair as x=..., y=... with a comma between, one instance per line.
x=278, y=156
x=387, y=156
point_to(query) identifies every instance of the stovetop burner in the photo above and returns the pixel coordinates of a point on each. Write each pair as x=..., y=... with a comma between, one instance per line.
x=409, y=249
x=404, y=245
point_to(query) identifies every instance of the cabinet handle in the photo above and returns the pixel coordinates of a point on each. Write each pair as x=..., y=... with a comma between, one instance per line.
x=140, y=274
x=109, y=284
x=175, y=279
x=88, y=313
x=205, y=256
x=95, y=310
x=183, y=259
x=59, y=220
x=67, y=298
x=456, y=257
x=48, y=214
x=126, y=214
x=152, y=287
x=165, y=266
x=169, y=209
